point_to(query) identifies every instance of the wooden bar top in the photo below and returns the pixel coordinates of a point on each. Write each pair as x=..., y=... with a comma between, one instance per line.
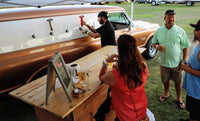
x=34, y=93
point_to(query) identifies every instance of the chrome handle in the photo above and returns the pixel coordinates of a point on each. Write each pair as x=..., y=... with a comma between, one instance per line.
x=51, y=28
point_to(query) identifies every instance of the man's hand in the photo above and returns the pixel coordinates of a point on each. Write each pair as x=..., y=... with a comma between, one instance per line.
x=83, y=31
x=160, y=48
x=84, y=23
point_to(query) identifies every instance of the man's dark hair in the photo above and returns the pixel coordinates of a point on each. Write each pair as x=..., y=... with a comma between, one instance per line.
x=103, y=14
x=169, y=12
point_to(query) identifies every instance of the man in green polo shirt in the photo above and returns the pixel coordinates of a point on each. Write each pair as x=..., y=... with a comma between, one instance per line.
x=172, y=43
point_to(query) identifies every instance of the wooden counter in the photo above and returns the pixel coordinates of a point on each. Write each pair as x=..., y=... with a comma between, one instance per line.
x=59, y=108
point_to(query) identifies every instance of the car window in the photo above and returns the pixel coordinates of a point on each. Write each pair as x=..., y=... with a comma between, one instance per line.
x=119, y=20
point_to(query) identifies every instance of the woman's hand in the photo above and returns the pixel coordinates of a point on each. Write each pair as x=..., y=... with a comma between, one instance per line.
x=112, y=58
x=185, y=67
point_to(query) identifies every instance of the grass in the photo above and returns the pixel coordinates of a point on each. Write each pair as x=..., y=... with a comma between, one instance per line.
x=184, y=14
x=168, y=110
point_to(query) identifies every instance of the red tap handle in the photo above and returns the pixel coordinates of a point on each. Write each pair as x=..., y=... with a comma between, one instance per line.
x=81, y=17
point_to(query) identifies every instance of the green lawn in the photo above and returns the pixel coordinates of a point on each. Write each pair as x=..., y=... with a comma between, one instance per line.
x=146, y=12
x=166, y=111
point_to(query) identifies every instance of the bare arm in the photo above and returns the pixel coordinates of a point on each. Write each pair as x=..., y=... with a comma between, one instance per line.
x=185, y=53
x=89, y=27
x=108, y=77
x=188, y=69
x=94, y=35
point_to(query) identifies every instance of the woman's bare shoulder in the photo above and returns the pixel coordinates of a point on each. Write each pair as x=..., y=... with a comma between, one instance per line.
x=144, y=63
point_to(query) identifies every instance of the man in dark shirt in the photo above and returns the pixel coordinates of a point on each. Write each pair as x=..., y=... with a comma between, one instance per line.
x=107, y=34
x=106, y=31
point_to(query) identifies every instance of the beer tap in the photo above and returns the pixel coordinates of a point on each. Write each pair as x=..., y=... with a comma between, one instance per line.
x=81, y=17
x=51, y=28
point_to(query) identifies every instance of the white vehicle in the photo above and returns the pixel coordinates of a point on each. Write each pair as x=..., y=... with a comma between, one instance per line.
x=99, y=2
x=187, y=2
x=116, y=1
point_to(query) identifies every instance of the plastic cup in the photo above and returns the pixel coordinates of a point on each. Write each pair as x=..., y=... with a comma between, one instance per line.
x=86, y=82
x=163, y=46
x=81, y=76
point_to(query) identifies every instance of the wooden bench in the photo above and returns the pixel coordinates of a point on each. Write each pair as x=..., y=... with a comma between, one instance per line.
x=59, y=108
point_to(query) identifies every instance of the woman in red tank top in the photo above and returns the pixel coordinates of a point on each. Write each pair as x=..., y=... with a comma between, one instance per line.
x=130, y=74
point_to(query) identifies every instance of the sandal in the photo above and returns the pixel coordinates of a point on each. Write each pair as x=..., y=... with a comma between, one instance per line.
x=162, y=98
x=181, y=105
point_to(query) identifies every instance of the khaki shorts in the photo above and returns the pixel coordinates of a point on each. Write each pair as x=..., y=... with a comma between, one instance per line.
x=174, y=74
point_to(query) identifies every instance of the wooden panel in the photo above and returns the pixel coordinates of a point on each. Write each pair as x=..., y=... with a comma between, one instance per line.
x=34, y=93
x=26, y=88
x=43, y=115
x=85, y=107
x=87, y=110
